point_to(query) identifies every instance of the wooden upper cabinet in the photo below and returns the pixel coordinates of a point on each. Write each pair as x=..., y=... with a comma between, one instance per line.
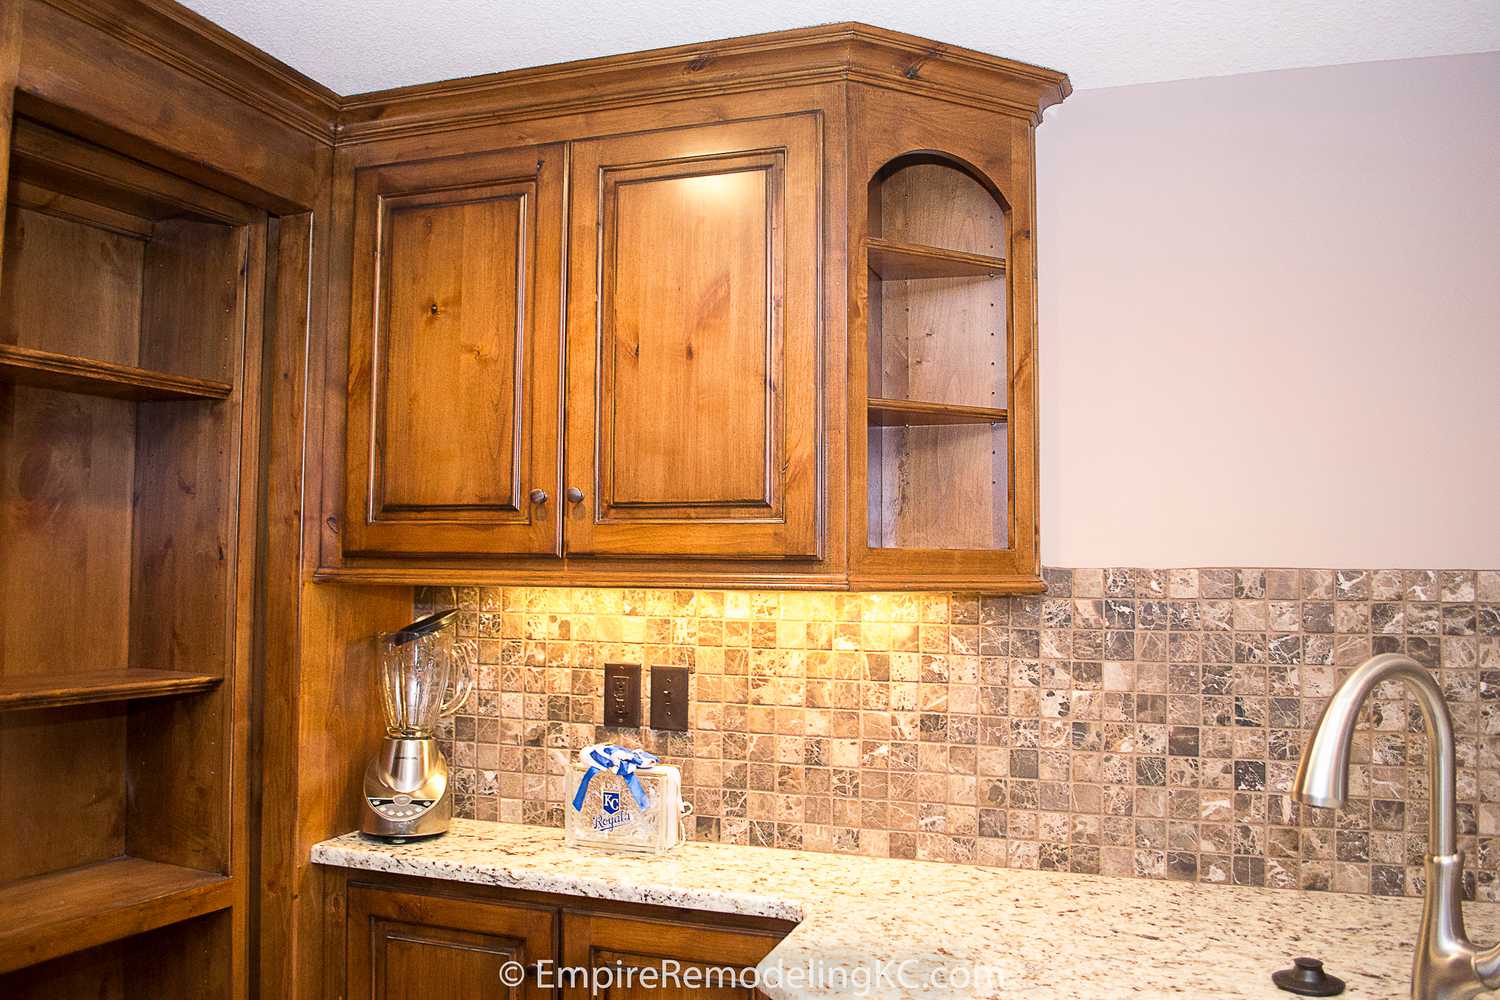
x=943, y=449
x=454, y=347
x=693, y=339
x=412, y=946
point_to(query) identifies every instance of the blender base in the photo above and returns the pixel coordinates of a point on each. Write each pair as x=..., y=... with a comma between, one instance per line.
x=406, y=790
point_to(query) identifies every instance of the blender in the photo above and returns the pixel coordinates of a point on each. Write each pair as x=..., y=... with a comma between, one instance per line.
x=406, y=783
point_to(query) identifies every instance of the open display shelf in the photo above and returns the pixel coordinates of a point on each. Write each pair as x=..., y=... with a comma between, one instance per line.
x=893, y=261
x=22, y=693
x=71, y=373
x=67, y=911
x=124, y=316
x=912, y=413
x=937, y=416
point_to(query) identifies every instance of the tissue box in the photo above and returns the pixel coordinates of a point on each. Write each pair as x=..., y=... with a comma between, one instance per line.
x=611, y=819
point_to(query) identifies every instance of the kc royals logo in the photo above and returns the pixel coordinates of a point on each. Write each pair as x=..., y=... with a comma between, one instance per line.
x=611, y=802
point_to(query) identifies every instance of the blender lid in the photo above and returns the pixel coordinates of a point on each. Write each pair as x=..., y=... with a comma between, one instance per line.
x=424, y=626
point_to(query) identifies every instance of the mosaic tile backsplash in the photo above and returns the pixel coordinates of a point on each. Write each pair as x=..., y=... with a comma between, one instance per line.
x=1129, y=722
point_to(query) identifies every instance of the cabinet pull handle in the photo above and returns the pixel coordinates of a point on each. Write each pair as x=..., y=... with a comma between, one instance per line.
x=539, y=496
x=575, y=495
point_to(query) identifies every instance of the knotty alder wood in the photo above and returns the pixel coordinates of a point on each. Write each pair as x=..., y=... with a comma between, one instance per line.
x=827, y=54
x=946, y=501
x=940, y=337
x=411, y=946
x=688, y=308
x=71, y=373
x=132, y=269
x=17, y=693
x=894, y=261
x=693, y=336
x=453, y=366
x=121, y=545
x=393, y=937
x=599, y=940
x=67, y=911
x=453, y=319
x=913, y=413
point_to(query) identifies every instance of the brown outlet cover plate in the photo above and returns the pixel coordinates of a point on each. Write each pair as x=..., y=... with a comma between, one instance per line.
x=622, y=694
x=669, y=699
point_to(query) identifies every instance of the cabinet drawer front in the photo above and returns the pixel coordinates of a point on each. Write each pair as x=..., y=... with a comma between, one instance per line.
x=453, y=391
x=693, y=342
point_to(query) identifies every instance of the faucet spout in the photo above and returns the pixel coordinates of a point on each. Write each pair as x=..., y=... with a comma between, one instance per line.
x=1446, y=965
x=1323, y=773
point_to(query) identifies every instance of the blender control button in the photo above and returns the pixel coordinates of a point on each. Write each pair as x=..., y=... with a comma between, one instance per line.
x=402, y=800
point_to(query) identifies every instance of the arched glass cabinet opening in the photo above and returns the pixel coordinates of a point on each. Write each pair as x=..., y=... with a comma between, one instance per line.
x=938, y=333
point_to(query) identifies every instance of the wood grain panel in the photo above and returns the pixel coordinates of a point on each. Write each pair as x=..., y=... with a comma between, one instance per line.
x=62, y=792
x=10, y=65
x=410, y=946
x=597, y=940
x=943, y=487
x=66, y=475
x=451, y=381
x=453, y=365
x=193, y=310
x=75, y=288
x=696, y=335
x=693, y=342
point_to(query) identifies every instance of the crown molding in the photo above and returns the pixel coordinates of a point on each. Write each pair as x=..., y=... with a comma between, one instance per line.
x=838, y=52
x=193, y=45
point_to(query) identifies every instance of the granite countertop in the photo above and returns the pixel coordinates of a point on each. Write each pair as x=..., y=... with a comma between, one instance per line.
x=1010, y=933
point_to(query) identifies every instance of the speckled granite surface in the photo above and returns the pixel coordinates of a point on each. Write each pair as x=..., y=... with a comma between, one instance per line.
x=1013, y=933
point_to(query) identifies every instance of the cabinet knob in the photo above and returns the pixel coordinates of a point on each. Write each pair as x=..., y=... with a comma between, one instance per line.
x=539, y=496
x=575, y=495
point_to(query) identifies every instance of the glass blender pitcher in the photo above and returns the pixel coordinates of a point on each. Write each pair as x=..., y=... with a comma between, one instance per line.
x=406, y=783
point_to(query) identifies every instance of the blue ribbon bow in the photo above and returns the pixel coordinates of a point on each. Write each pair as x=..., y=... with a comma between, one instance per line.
x=619, y=760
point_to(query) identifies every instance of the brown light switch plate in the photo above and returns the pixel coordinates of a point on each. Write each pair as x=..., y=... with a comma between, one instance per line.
x=669, y=699
x=622, y=694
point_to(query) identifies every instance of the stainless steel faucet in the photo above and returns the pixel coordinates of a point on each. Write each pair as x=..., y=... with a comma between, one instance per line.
x=1447, y=965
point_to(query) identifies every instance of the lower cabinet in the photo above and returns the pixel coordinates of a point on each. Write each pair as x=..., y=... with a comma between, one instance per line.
x=412, y=940
x=412, y=946
x=632, y=949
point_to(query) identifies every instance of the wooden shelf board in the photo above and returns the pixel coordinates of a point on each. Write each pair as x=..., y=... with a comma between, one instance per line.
x=912, y=413
x=898, y=261
x=59, y=913
x=52, y=691
x=71, y=373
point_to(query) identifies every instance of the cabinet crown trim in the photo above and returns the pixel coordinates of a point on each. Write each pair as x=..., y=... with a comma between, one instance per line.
x=192, y=44
x=848, y=51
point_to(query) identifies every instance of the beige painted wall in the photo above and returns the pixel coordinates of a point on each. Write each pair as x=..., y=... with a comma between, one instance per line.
x=1270, y=315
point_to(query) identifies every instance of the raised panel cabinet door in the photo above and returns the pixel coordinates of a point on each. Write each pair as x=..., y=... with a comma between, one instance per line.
x=693, y=342
x=454, y=372
x=409, y=946
x=651, y=959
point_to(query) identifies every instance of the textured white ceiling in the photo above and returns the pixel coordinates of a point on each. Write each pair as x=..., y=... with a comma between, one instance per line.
x=359, y=45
